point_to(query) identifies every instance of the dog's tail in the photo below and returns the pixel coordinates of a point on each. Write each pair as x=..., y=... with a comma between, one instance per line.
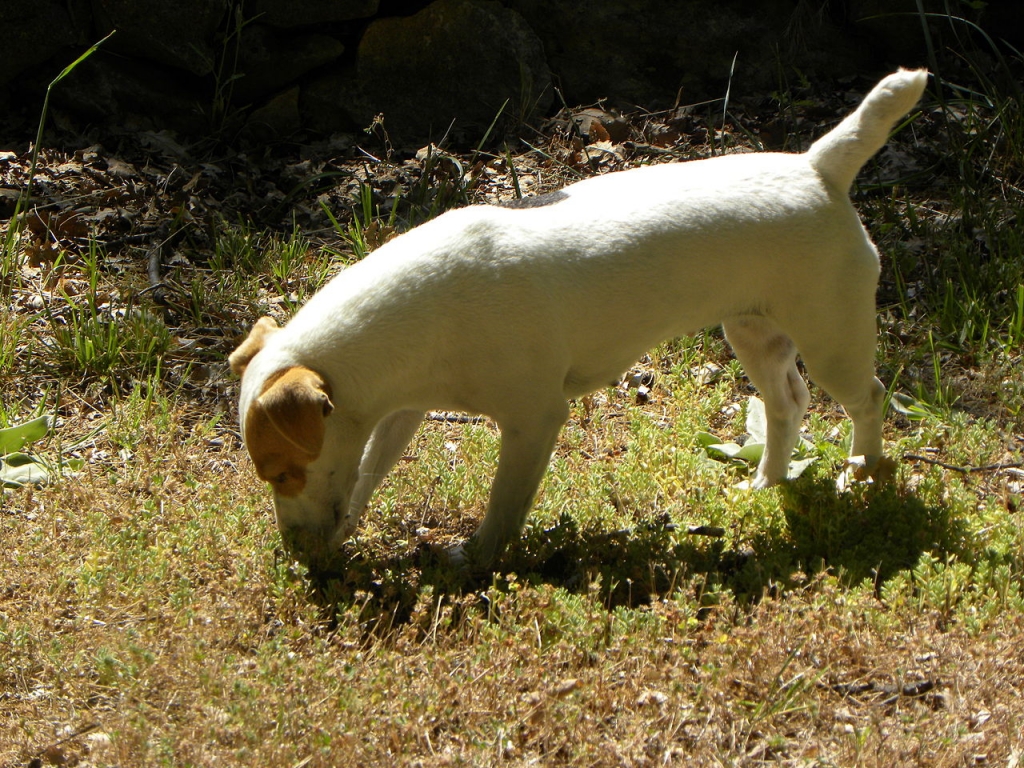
x=840, y=154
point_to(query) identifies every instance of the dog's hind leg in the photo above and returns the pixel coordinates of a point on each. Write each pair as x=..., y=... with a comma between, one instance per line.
x=842, y=362
x=385, y=447
x=768, y=356
x=526, y=445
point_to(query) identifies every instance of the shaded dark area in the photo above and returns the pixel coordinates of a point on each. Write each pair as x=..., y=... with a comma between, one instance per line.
x=255, y=73
x=868, y=533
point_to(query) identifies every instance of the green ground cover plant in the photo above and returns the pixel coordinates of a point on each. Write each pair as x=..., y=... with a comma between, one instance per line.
x=655, y=612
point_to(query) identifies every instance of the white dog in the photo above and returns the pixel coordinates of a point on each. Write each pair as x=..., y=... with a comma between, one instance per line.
x=510, y=311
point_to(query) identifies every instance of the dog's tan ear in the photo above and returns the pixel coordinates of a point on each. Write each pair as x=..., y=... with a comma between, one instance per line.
x=296, y=404
x=253, y=343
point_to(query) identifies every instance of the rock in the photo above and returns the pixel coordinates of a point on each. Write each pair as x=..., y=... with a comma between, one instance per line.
x=276, y=119
x=636, y=51
x=456, y=60
x=33, y=31
x=110, y=90
x=180, y=33
x=322, y=102
x=177, y=63
x=269, y=60
x=649, y=52
x=297, y=13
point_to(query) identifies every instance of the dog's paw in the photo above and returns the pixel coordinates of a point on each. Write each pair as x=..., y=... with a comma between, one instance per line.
x=757, y=483
x=864, y=470
x=456, y=556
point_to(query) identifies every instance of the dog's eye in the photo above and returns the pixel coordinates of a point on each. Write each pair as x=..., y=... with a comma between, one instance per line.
x=287, y=482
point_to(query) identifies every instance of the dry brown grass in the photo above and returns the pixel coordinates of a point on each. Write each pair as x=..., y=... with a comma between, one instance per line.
x=152, y=623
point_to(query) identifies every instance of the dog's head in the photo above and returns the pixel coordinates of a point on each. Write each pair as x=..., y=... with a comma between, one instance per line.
x=299, y=443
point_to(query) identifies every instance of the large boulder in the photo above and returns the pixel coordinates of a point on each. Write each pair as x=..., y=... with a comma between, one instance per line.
x=181, y=34
x=448, y=67
x=449, y=71
x=33, y=31
x=299, y=13
x=133, y=94
x=651, y=52
x=639, y=51
x=270, y=60
x=277, y=119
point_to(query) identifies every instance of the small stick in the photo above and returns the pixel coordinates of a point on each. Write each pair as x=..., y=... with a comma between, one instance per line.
x=964, y=470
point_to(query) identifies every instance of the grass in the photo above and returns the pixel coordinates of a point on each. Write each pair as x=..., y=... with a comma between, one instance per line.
x=653, y=613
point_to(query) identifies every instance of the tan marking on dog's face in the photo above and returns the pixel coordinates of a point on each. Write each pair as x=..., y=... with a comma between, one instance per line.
x=253, y=343
x=284, y=427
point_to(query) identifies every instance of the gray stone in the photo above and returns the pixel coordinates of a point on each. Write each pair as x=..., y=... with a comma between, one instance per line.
x=33, y=31
x=111, y=90
x=451, y=66
x=651, y=52
x=277, y=119
x=325, y=102
x=198, y=64
x=634, y=51
x=297, y=13
x=179, y=33
x=269, y=60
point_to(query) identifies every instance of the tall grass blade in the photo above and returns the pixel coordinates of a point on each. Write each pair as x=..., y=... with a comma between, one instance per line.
x=46, y=106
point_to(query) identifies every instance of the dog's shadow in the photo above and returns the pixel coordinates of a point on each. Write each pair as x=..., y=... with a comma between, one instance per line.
x=868, y=533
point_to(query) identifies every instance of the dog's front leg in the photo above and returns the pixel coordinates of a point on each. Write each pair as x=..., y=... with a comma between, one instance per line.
x=526, y=446
x=385, y=447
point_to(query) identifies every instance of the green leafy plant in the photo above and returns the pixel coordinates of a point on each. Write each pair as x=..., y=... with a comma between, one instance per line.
x=221, y=114
x=912, y=408
x=749, y=453
x=86, y=336
x=18, y=468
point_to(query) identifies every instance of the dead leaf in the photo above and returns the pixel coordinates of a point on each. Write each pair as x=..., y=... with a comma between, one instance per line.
x=40, y=252
x=599, y=133
x=121, y=169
